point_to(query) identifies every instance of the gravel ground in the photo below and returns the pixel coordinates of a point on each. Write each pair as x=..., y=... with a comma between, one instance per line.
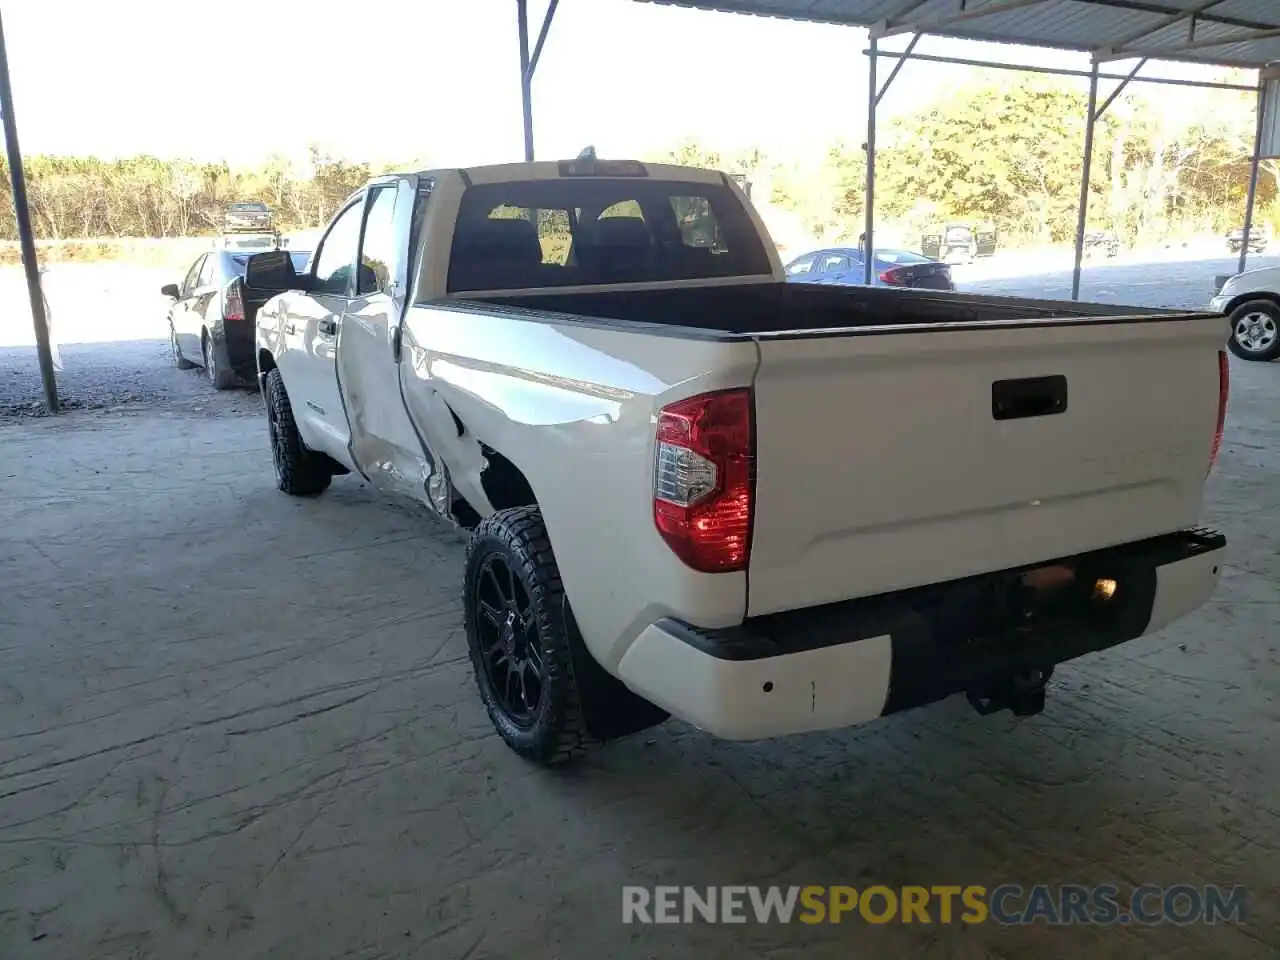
x=109, y=376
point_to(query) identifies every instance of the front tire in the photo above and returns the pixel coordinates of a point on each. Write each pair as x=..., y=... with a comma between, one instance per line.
x=181, y=362
x=1255, y=330
x=518, y=639
x=299, y=472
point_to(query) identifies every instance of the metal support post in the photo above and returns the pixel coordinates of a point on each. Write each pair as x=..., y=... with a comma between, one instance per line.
x=526, y=77
x=868, y=235
x=1082, y=214
x=22, y=213
x=1253, y=180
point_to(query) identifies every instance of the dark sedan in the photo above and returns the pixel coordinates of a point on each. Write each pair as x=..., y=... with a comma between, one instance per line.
x=210, y=325
x=893, y=268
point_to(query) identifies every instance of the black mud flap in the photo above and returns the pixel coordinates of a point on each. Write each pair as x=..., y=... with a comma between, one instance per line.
x=609, y=708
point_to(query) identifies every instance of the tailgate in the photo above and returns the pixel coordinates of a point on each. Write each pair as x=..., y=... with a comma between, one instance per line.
x=882, y=463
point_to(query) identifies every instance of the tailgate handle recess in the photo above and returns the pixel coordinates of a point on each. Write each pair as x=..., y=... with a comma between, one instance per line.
x=1030, y=397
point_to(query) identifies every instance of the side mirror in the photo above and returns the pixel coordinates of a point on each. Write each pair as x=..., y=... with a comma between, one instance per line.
x=170, y=290
x=273, y=271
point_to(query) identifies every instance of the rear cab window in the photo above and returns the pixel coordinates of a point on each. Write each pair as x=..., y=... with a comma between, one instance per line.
x=584, y=231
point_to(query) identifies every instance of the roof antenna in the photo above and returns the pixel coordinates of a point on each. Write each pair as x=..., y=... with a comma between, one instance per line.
x=588, y=154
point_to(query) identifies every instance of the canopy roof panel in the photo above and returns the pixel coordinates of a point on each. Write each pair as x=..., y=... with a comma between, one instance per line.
x=1233, y=33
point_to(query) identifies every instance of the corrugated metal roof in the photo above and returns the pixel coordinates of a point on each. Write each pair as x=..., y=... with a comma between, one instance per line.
x=1236, y=33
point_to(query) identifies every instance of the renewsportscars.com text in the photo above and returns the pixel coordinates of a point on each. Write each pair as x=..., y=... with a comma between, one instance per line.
x=1007, y=904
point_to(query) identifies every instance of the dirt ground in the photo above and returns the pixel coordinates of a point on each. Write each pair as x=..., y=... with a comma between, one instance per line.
x=235, y=725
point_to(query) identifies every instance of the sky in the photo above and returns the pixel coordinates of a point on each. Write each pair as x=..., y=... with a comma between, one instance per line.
x=438, y=80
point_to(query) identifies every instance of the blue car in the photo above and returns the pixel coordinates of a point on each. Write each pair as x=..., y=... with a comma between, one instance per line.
x=893, y=268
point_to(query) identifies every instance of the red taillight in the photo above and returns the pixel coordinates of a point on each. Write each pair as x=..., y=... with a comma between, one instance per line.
x=235, y=303
x=1224, y=388
x=892, y=276
x=703, y=484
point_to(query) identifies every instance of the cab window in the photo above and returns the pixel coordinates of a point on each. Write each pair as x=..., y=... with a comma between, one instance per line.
x=337, y=253
x=378, y=246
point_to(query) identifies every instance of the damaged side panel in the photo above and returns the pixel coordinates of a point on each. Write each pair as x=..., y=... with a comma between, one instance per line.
x=384, y=445
x=518, y=410
x=457, y=458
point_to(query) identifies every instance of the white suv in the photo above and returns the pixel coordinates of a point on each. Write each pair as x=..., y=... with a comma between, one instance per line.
x=1252, y=299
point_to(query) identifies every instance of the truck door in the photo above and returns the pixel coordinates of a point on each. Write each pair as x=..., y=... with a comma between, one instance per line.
x=311, y=324
x=384, y=445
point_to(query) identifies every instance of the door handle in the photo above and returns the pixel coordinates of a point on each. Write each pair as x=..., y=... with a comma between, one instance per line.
x=328, y=326
x=396, y=344
x=1029, y=397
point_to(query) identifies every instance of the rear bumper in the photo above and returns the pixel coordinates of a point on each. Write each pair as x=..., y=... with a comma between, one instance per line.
x=847, y=663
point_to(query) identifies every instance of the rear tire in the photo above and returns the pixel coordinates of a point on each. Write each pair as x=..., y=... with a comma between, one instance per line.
x=220, y=378
x=519, y=643
x=1255, y=330
x=299, y=471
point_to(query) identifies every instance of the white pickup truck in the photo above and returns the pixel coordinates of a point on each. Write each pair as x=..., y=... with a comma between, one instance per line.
x=695, y=489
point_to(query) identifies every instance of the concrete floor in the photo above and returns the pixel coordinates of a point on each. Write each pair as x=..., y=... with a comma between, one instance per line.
x=238, y=725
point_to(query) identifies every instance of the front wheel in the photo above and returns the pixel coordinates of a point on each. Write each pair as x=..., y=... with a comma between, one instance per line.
x=299, y=472
x=181, y=362
x=1255, y=330
x=518, y=639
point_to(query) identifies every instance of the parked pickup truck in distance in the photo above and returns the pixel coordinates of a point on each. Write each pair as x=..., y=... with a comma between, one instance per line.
x=694, y=489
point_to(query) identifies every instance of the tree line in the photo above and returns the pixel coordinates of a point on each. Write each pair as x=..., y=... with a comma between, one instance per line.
x=1010, y=154
x=998, y=152
x=82, y=197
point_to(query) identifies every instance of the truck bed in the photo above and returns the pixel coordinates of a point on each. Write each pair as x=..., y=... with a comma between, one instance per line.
x=772, y=309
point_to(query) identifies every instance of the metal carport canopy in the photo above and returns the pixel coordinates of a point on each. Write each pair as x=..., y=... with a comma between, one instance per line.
x=1228, y=33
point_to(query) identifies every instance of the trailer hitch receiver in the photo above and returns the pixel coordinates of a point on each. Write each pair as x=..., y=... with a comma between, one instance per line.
x=1021, y=693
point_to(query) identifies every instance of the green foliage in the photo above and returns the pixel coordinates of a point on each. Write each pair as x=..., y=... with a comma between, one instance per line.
x=1009, y=154
x=149, y=197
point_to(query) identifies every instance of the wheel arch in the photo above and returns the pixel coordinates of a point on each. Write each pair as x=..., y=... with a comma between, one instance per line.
x=266, y=363
x=1235, y=303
